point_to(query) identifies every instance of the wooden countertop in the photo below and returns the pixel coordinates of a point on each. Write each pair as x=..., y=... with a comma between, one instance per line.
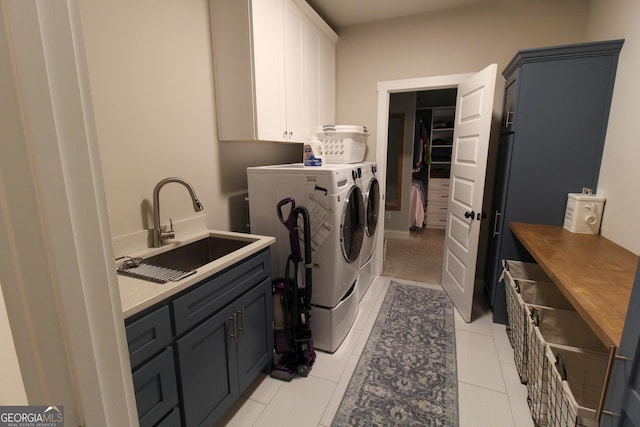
x=595, y=274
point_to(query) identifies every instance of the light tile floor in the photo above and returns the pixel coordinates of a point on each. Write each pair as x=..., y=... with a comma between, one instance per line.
x=489, y=390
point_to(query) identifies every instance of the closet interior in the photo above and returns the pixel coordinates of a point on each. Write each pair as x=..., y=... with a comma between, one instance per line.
x=432, y=150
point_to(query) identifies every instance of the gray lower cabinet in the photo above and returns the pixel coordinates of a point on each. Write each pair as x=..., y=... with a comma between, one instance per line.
x=155, y=387
x=220, y=358
x=193, y=354
x=171, y=420
x=556, y=109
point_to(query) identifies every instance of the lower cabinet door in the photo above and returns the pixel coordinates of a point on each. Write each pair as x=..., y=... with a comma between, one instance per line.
x=155, y=388
x=255, y=332
x=494, y=289
x=208, y=369
x=171, y=420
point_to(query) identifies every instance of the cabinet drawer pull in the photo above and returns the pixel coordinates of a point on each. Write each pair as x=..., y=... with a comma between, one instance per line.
x=234, y=334
x=243, y=322
x=495, y=224
x=509, y=118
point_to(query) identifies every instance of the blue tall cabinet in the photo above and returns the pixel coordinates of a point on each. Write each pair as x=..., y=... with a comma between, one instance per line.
x=556, y=109
x=623, y=400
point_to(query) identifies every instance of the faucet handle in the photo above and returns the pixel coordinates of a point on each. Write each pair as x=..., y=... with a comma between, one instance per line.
x=167, y=234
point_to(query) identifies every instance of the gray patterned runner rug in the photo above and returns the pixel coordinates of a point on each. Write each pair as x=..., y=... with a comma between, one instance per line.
x=407, y=373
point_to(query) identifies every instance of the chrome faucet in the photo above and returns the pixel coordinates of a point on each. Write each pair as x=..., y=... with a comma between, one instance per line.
x=160, y=232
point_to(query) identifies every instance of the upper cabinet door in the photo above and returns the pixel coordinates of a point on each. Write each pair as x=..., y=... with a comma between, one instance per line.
x=295, y=24
x=269, y=70
x=274, y=63
x=327, y=86
x=320, y=79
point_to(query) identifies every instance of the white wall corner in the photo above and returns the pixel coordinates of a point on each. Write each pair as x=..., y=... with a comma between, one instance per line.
x=86, y=368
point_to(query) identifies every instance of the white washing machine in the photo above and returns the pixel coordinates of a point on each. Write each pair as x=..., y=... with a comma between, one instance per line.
x=372, y=199
x=336, y=209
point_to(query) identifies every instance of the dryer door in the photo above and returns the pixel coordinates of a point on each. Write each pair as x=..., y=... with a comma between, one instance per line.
x=373, y=205
x=352, y=225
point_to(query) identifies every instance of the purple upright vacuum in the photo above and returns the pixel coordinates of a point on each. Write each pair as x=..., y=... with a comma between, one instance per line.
x=294, y=353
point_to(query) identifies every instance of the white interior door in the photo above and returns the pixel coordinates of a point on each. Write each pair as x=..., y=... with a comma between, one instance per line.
x=474, y=107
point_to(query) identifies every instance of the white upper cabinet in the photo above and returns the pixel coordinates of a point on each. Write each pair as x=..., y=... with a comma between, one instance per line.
x=320, y=79
x=274, y=63
x=294, y=30
x=267, y=99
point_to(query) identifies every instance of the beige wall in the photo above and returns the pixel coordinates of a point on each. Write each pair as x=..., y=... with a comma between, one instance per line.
x=12, y=391
x=619, y=173
x=150, y=66
x=447, y=42
x=404, y=103
x=151, y=80
x=152, y=86
x=465, y=40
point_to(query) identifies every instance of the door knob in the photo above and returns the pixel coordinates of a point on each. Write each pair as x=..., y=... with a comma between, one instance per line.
x=468, y=214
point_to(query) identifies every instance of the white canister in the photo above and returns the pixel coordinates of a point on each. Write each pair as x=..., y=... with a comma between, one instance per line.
x=584, y=213
x=313, y=154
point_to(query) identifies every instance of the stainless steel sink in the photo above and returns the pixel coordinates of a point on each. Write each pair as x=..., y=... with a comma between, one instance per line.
x=196, y=254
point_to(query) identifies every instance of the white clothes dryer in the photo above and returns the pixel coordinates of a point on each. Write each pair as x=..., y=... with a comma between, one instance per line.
x=336, y=209
x=372, y=200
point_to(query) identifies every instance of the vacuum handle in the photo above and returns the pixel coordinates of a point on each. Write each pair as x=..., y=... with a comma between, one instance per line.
x=281, y=217
x=291, y=223
x=308, y=263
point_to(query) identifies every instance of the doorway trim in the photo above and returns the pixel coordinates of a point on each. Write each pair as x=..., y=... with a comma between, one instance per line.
x=385, y=89
x=63, y=303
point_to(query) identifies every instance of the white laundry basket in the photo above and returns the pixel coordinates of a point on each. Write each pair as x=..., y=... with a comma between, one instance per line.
x=343, y=143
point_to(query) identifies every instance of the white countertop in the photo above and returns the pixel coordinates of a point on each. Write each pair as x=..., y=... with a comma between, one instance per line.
x=137, y=294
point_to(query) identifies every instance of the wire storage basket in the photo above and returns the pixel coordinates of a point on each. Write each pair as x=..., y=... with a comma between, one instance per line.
x=575, y=379
x=560, y=328
x=531, y=295
x=512, y=271
x=526, y=284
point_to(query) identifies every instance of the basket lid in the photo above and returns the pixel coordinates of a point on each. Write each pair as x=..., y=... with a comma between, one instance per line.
x=587, y=197
x=342, y=129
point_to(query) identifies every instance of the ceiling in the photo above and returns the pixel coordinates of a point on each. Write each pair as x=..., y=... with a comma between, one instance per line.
x=342, y=13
